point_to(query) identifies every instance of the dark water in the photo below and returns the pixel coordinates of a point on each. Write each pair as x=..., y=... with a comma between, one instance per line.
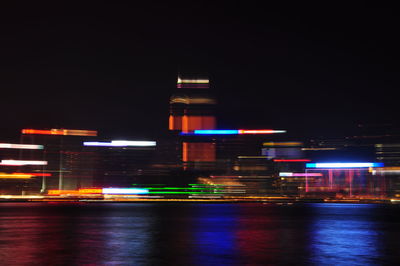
x=198, y=234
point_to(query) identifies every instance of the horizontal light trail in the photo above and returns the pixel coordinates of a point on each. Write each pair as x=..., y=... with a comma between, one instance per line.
x=232, y=131
x=21, y=146
x=343, y=165
x=121, y=143
x=63, y=132
x=299, y=174
x=125, y=191
x=291, y=160
x=22, y=163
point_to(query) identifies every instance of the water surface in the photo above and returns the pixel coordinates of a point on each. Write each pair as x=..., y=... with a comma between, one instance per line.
x=198, y=234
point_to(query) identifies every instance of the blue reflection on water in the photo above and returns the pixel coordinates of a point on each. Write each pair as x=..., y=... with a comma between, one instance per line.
x=344, y=234
x=127, y=240
x=214, y=234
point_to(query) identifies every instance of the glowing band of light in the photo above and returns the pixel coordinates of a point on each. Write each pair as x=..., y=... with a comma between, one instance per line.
x=21, y=163
x=21, y=175
x=291, y=160
x=261, y=131
x=125, y=191
x=343, y=165
x=279, y=144
x=90, y=190
x=196, y=81
x=233, y=131
x=216, y=132
x=20, y=146
x=63, y=132
x=122, y=143
x=299, y=174
x=15, y=176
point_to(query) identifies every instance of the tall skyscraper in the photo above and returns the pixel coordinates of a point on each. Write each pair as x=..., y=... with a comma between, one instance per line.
x=192, y=107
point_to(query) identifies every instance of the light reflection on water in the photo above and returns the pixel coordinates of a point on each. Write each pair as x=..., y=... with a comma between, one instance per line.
x=345, y=234
x=198, y=234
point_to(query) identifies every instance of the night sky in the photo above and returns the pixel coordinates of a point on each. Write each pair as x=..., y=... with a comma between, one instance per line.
x=309, y=68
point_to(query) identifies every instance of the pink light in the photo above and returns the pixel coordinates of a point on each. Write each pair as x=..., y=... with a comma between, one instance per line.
x=292, y=160
x=260, y=131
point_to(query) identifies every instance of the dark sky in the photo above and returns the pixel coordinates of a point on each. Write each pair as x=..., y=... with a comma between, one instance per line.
x=310, y=68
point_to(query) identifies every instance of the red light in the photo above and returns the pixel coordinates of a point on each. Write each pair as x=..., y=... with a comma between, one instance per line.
x=35, y=174
x=41, y=132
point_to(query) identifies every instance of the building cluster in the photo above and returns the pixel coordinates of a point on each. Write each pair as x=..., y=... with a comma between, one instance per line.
x=197, y=159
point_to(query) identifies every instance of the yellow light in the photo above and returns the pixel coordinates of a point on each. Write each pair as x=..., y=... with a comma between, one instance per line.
x=14, y=176
x=292, y=143
x=197, y=81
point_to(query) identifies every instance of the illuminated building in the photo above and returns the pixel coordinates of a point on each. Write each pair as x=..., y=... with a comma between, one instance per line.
x=192, y=108
x=70, y=167
x=192, y=105
x=21, y=168
x=344, y=180
x=120, y=162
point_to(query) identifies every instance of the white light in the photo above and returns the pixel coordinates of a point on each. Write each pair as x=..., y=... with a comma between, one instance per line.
x=20, y=146
x=285, y=174
x=299, y=174
x=122, y=143
x=133, y=143
x=20, y=163
x=125, y=191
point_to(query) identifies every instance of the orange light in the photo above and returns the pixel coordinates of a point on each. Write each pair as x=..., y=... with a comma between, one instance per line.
x=90, y=191
x=59, y=192
x=15, y=176
x=198, y=152
x=54, y=192
x=64, y=132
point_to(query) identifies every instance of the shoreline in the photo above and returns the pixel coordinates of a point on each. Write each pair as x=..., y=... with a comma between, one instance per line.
x=176, y=200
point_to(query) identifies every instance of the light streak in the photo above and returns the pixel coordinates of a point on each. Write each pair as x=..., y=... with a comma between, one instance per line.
x=20, y=146
x=195, y=81
x=299, y=174
x=278, y=144
x=15, y=176
x=291, y=160
x=90, y=191
x=343, y=165
x=232, y=131
x=216, y=132
x=63, y=132
x=122, y=143
x=252, y=157
x=21, y=163
x=260, y=131
x=125, y=191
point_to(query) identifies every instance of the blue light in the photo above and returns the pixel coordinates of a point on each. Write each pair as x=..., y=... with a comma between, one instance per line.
x=343, y=165
x=216, y=132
